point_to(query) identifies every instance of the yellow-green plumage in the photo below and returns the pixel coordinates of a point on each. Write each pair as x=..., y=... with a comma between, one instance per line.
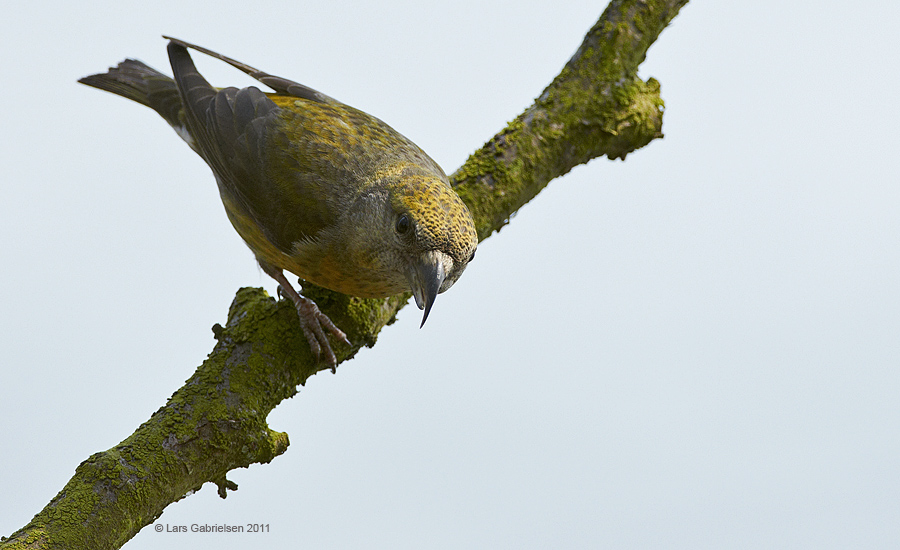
x=313, y=186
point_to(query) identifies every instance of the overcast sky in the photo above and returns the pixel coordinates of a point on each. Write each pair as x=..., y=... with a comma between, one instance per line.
x=694, y=348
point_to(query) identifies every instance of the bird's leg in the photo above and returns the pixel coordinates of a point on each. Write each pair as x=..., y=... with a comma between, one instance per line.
x=312, y=320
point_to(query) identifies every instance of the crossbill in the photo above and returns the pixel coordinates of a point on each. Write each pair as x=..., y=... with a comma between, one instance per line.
x=313, y=186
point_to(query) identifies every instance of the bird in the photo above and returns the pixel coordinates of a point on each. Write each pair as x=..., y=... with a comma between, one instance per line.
x=313, y=186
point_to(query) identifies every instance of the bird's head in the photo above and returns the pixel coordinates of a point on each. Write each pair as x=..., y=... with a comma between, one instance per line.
x=434, y=232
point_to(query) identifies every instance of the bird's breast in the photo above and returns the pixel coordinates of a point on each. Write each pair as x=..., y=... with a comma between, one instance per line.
x=319, y=264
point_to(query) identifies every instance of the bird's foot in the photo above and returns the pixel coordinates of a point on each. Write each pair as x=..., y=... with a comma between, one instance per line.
x=314, y=324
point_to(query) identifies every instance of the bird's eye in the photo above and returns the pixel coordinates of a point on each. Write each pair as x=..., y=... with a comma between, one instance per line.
x=471, y=256
x=402, y=224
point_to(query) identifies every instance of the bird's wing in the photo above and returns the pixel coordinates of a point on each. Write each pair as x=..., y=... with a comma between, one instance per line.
x=277, y=83
x=232, y=129
x=292, y=161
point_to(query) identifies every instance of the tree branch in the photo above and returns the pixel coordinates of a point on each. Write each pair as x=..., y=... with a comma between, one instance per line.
x=596, y=106
x=217, y=421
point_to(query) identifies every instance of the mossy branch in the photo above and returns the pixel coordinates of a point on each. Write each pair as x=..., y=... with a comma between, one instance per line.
x=217, y=421
x=596, y=106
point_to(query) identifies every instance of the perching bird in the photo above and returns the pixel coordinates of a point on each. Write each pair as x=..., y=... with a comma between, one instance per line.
x=313, y=186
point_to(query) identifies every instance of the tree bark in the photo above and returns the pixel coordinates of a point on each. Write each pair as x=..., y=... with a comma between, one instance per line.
x=217, y=421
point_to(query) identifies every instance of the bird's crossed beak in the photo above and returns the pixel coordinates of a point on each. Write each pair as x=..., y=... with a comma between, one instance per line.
x=426, y=274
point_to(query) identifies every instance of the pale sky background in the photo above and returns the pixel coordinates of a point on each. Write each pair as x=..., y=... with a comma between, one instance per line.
x=694, y=348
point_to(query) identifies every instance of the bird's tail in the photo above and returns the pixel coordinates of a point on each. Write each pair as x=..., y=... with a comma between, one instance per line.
x=139, y=82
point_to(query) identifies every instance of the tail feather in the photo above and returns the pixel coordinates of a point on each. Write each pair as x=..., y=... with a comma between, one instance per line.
x=138, y=82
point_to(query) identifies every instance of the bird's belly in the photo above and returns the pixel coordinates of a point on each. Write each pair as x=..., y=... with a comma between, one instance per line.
x=346, y=277
x=318, y=266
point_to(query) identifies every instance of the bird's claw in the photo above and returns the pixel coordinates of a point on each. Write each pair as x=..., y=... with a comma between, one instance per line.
x=314, y=324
